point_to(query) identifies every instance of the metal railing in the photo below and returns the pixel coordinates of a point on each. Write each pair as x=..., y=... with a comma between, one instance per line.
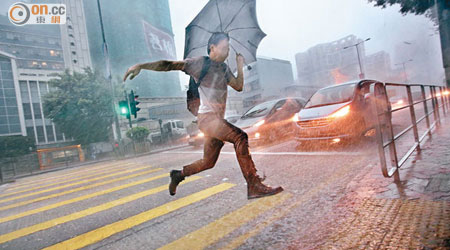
x=384, y=127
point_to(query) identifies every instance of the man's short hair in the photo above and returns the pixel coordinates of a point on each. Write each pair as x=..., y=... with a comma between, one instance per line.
x=216, y=38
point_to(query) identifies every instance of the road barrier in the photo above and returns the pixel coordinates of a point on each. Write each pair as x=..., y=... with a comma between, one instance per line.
x=439, y=97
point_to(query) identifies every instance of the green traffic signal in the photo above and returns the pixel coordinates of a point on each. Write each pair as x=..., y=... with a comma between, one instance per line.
x=123, y=108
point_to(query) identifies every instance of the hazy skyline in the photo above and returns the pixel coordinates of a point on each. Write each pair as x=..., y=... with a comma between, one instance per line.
x=294, y=26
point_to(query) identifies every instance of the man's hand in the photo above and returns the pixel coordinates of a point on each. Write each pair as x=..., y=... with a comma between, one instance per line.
x=239, y=60
x=133, y=71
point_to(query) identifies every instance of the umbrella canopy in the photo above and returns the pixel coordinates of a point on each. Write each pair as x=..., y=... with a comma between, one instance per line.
x=237, y=18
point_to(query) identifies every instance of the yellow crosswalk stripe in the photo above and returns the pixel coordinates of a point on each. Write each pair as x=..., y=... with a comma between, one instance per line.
x=109, y=170
x=18, y=204
x=119, y=226
x=59, y=176
x=282, y=212
x=218, y=229
x=80, y=198
x=71, y=184
x=74, y=216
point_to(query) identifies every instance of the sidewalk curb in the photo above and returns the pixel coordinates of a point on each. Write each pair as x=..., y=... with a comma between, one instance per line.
x=92, y=162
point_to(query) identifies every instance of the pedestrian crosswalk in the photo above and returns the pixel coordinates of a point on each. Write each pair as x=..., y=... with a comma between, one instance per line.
x=31, y=210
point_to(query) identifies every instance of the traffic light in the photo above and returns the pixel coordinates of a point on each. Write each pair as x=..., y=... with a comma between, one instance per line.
x=124, y=109
x=133, y=103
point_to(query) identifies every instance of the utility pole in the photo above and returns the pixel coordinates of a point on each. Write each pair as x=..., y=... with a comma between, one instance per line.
x=442, y=8
x=404, y=68
x=361, y=74
x=116, y=128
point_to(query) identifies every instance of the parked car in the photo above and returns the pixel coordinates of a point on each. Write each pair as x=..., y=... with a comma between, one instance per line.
x=337, y=113
x=271, y=120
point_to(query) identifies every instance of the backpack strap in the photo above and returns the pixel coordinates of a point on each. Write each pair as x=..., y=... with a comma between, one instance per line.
x=205, y=68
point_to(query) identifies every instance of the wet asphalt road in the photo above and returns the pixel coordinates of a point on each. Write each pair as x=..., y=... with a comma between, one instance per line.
x=68, y=204
x=126, y=205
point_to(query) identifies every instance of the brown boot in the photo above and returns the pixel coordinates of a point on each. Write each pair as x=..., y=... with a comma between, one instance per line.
x=255, y=189
x=175, y=178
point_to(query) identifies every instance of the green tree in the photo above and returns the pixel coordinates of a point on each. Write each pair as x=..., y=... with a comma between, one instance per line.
x=12, y=146
x=81, y=105
x=417, y=7
x=138, y=134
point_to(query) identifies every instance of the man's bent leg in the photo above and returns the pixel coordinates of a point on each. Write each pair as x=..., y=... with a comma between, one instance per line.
x=211, y=151
x=225, y=131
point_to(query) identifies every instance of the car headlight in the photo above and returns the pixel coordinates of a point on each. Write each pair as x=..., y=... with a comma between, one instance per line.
x=259, y=123
x=295, y=118
x=201, y=134
x=341, y=112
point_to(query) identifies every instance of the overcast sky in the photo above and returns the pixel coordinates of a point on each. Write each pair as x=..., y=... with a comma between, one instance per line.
x=293, y=26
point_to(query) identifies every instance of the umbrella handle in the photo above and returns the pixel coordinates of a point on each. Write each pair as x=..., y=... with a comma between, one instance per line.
x=248, y=66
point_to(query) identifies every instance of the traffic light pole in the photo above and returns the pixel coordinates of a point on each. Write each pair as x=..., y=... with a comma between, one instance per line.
x=129, y=109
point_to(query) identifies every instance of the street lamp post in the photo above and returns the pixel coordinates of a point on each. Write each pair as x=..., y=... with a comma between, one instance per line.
x=361, y=74
x=116, y=126
x=404, y=68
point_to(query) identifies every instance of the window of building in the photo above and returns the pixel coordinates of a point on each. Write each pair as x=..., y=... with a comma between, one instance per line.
x=74, y=52
x=37, y=111
x=75, y=61
x=8, y=84
x=70, y=27
x=72, y=43
x=50, y=136
x=71, y=35
x=52, y=53
x=11, y=102
x=27, y=111
x=34, y=92
x=6, y=74
x=30, y=132
x=4, y=129
x=15, y=128
x=3, y=120
x=40, y=133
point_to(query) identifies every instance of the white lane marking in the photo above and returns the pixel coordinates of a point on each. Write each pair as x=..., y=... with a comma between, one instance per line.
x=277, y=153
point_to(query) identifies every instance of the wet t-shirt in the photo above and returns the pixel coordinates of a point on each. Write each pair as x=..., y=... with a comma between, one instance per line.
x=213, y=88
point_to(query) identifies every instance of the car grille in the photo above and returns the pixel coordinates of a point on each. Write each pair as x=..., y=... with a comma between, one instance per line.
x=322, y=122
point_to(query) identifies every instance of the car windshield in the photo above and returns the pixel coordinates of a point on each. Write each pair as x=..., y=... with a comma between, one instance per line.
x=328, y=96
x=259, y=110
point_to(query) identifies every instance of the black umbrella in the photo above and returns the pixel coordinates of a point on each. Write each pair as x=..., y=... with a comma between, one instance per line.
x=237, y=18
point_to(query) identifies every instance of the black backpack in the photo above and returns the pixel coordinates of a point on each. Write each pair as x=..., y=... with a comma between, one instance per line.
x=193, y=96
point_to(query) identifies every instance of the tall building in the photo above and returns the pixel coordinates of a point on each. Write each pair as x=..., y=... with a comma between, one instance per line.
x=135, y=32
x=11, y=114
x=378, y=66
x=74, y=37
x=329, y=63
x=37, y=53
x=265, y=80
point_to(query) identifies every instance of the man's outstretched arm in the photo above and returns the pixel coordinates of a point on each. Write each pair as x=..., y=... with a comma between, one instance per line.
x=162, y=65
